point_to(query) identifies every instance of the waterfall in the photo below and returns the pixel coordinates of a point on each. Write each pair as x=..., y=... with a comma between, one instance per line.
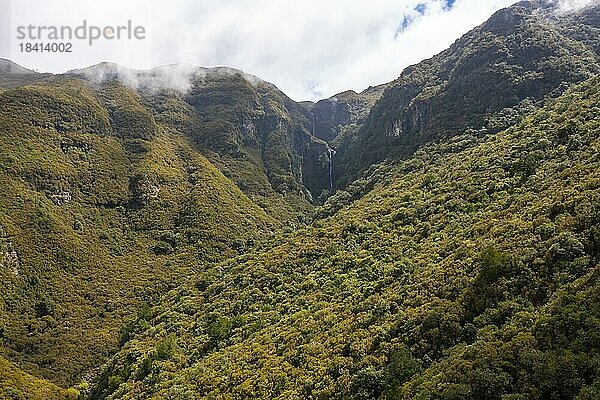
x=331, y=153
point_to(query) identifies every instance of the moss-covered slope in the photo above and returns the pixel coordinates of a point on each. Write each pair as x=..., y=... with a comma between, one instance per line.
x=523, y=53
x=18, y=385
x=469, y=272
x=103, y=209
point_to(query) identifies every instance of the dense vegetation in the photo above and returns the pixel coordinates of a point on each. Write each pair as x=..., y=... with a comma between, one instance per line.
x=96, y=222
x=520, y=53
x=17, y=385
x=471, y=271
x=252, y=132
x=169, y=242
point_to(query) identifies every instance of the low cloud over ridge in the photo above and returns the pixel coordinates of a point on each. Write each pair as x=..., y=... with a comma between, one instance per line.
x=309, y=49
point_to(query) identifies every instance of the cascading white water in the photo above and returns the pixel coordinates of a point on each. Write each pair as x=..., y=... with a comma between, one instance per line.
x=331, y=153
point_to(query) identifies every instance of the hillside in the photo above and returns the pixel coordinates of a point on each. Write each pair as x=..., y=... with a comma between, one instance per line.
x=330, y=116
x=16, y=384
x=103, y=210
x=248, y=129
x=13, y=75
x=519, y=56
x=470, y=272
x=119, y=185
x=187, y=232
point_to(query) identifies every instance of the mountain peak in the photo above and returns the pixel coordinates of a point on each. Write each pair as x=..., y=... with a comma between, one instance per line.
x=558, y=7
x=9, y=67
x=171, y=76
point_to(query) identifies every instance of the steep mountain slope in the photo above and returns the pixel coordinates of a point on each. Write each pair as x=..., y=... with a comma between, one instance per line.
x=246, y=127
x=522, y=53
x=583, y=26
x=119, y=185
x=103, y=209
x=264, y=124
x=472, y=248
x=330, y=116
x=13, y=75
x=16, y=384
x=470, y=271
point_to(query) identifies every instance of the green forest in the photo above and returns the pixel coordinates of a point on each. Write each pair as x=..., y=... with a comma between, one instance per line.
x=210, y=244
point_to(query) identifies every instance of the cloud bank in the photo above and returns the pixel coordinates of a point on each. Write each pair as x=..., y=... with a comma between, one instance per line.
x=177, y=77
x=310, y=49
x=567, y=6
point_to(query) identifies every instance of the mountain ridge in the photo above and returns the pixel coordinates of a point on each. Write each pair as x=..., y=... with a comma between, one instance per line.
x=151, y=235
x=450, y=92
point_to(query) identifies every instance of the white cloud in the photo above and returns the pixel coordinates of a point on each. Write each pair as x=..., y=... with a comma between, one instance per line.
x=567, y=6
x=178, y=77
x=310, y=49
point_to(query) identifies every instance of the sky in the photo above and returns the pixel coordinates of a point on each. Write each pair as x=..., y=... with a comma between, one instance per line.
x=310, y=49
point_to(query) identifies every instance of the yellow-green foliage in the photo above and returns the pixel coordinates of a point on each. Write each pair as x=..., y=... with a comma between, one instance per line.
x=518, y=54
x=141, y=249
x=258, y=138
x=18, y=385
x=130, y=119
x=469, y=271
x=221, y=115
x=101, y=222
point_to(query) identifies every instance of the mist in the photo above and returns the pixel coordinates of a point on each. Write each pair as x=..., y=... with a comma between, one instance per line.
x=174, y=77
x=310, y=49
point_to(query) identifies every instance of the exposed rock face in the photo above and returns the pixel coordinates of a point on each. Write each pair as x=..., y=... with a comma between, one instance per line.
x=247, y=125
x=60, y=197
x=396, y=130
x=315, y=166
x=142, y=191
x=329, y=116
x=520, y=54
x=9, y=259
